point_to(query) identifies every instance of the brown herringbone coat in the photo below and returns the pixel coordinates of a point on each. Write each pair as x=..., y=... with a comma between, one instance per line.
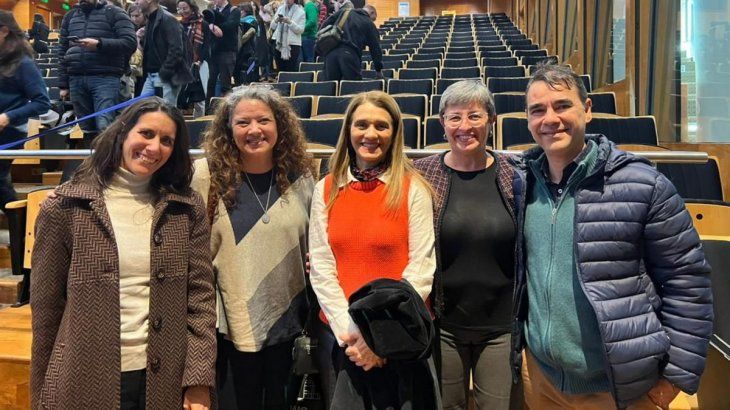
x=75, y=301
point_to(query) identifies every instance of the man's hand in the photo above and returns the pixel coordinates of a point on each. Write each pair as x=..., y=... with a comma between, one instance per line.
x=663, y=393
x=140, y=34
x=4, y=121
x=64, y=93
x=88, y=43
x=359, y=352
x=216, y=30
x=196, y=398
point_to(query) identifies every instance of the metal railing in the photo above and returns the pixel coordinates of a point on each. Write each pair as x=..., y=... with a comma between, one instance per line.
x=655, y=156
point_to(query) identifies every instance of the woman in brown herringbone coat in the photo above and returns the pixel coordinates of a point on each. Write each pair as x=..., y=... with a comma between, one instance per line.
x=122, y=287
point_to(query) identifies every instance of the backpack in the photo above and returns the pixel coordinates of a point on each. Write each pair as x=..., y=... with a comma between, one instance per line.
x=330, y=36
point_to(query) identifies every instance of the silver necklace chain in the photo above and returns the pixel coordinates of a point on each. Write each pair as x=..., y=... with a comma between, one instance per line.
x=265, y=218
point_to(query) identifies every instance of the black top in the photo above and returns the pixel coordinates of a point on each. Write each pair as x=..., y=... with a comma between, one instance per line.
x=477, y=255
x=248, y=210
x=227, y=20
x=151, y=61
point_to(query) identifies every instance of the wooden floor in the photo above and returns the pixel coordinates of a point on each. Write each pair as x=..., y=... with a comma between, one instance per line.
x=15, y=341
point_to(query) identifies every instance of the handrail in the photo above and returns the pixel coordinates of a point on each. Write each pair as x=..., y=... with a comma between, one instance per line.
x=656, y=156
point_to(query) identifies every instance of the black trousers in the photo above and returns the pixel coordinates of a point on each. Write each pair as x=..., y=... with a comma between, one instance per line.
x=7, y=192
x=261, y=380
x=132, y=395
x=292, y=64
x=342, y=63
x=221, y=64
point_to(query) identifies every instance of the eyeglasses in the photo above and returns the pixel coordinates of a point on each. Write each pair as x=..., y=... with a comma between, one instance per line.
x=475, y=119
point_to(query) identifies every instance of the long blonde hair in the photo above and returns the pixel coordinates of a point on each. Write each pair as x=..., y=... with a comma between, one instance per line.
x=397, y=164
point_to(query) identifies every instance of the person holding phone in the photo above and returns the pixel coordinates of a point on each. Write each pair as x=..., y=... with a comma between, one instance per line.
x=288, y=28
x=97, y=39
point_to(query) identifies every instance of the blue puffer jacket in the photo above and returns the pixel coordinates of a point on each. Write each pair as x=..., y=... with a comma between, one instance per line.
x=642, y=269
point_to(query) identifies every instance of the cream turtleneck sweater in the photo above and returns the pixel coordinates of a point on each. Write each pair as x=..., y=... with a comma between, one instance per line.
x=129, y=203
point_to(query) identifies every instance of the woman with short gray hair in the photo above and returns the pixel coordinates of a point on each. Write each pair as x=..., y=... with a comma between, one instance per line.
x=257, y=181
x=475, y=242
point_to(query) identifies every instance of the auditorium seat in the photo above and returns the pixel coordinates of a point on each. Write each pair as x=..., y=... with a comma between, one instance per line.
x=507, y=84
x=515, y=47
x=413, y=104
x=525, y=53
x=372, y=74
x=327, y=104
x=311, y=66
x=534, y=60
x=603, y=102
x=418, y=73
x=461, y=72
x=411, y=131
x=625, y=130
x=427, y=56
x=293, y=76
x=509, y=102
x=424, y=86
x=315, y=88
x=435, y=104
x=348, y=87
x=323, y=130
x=461, y=63
x=499, y=61
x=489, y=49
x=434, y=131
x=302, y=104
x=695, y=182
x=196, y=129
x=513, y=71
x=460, y=56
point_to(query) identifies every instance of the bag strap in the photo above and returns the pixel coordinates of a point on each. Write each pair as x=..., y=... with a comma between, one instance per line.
x=343, y=19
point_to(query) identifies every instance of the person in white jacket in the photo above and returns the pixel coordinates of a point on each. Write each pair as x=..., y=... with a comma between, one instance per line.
x=288, y=25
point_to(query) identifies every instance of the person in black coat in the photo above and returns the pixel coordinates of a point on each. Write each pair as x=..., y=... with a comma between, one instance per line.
x=39, y=34
x=163, y=63
x=224, y=26
x=96, y=42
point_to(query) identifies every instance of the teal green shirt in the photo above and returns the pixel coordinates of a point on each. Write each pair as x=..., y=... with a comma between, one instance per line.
x=561, y=330
x=310, y=24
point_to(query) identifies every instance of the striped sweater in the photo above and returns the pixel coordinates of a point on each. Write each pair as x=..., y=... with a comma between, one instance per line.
x=260, y=266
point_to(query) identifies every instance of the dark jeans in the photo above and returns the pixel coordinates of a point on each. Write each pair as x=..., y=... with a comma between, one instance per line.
x=90, y=94
x=342, y=63
x=133, y=385
x=292, y=64
x=221, y=64
x=483, y=358
x=262, y=379
x=7, y=192
x=308, y=49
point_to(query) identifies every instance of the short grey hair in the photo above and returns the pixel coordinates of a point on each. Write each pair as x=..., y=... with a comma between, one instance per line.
x=558, y=76
x=466, y=92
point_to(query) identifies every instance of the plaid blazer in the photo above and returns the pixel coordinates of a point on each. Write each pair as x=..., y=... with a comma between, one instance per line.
x=439, y=176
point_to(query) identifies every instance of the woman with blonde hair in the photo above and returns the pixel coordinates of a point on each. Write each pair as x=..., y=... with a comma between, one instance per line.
x=257, y=181
x=371, y=219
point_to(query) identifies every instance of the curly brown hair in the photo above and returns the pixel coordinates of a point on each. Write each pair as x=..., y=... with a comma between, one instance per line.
x=291, y=159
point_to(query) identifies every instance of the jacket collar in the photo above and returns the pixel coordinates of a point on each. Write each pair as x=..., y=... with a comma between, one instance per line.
x=91, y=192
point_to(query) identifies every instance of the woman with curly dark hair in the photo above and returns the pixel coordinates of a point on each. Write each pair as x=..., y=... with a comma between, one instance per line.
x=258, y=182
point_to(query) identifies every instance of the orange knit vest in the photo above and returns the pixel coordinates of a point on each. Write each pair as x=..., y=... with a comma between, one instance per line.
x=368, y=240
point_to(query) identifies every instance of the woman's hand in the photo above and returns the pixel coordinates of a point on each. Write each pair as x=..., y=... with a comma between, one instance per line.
x=4, y=121
x=197, y=398
x=359, y=352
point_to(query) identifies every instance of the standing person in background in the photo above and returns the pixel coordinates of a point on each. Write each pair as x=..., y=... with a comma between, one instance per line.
x=39, y=34
x=261, y=44
x=225, y=46
x=267, y=13
x=258, y=181
x=247, y=50
x=309, y=35
x=96, y=42
x=22, y=94
x=164, y=62
x=322, y=16
x=344, y=62
x=288, y=26
x=198, y=38
x=135, y=62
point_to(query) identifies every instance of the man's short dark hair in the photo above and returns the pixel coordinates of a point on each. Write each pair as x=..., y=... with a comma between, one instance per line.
x=358, y=4
x=558, y=76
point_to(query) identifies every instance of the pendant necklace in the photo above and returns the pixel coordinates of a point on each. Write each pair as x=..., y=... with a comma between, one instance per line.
x=265, y=219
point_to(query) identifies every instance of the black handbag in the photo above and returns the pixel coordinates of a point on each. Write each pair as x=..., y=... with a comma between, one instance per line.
x=329, y=37
x=192, y=92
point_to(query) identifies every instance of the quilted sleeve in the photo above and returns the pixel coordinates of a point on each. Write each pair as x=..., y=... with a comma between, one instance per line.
x=676, y=264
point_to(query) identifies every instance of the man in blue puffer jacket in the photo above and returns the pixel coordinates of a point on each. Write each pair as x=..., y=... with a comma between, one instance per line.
x=613, y=303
